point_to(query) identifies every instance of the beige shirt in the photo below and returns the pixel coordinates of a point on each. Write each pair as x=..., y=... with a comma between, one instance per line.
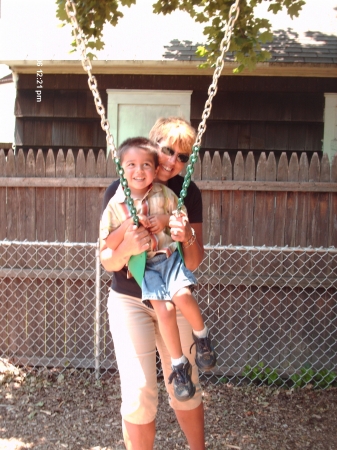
x=159, y=199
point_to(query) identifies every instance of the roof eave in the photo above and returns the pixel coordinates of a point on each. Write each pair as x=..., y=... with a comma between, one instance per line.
x=171, y=68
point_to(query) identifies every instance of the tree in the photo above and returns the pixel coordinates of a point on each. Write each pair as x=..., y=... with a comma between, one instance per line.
x=250, y=32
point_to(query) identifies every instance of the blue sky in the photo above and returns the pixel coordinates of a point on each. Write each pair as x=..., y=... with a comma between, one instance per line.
x=29, y=30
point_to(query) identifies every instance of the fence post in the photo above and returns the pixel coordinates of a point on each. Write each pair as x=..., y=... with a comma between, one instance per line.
x=97, y=313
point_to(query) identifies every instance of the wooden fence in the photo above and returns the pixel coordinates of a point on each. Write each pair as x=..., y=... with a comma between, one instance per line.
x=284, y=300
x=247, y=202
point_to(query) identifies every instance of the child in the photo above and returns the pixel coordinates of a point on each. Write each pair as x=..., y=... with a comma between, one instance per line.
x=167, y=282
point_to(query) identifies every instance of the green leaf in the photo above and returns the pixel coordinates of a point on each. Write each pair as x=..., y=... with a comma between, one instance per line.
x=266, y=36
x=201, y=51
x=248, y=33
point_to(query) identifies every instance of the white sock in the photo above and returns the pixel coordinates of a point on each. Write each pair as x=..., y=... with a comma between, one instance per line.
x=181, y=360
x=201, y=334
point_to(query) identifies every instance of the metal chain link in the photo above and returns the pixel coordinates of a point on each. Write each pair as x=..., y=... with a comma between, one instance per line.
x=258, y=320
x=92, y=82
x=212, y=90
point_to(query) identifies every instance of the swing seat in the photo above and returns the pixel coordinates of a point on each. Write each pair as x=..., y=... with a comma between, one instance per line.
x=180, y=250
x=136, y=266
x=137, y=263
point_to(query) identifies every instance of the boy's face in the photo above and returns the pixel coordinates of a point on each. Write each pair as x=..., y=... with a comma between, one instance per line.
x=139, y=169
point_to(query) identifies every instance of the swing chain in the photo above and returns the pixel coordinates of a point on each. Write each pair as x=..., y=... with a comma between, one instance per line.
x=92, y=82
x=212, y=90
x=224, y=46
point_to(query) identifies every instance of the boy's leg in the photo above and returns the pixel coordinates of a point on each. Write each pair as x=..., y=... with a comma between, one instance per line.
x=189, y=308
x=184, y=389
x=167, y=321
x=205, y=355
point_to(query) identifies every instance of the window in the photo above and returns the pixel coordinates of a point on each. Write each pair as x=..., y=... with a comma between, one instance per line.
x=132, y=112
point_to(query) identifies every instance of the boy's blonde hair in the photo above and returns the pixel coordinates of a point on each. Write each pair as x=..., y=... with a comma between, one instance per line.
x=175, y=131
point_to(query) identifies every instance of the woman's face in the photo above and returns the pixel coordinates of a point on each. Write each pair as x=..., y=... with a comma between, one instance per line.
x=170, y=163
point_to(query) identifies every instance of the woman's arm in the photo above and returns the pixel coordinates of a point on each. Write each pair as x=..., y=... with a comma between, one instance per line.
x=116, y=237
x=194, y=253
x=136, y=240
x=181, y=230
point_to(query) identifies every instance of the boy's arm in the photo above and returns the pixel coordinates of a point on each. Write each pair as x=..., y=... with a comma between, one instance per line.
x=158, y=223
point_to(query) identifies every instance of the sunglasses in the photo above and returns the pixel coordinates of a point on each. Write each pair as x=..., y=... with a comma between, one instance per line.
x=181, y=157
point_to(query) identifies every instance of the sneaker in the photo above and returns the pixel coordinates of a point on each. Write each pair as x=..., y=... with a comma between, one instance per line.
x=205, y=357
x=184, y=389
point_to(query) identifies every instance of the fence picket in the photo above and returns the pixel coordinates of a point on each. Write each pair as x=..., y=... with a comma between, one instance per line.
x=30, y=192
x=333, y=170
x=21, y=197
x=206, y=195
x=80, y=198
x=215, y=203
x=281, y=202
x=314, y=168
x=239, y=167
x=271, y=170
x=70, y=232
x=12, y=204
x=40, y=198
x=302, y=203
x=60, y=199
x=261, y=168
x=325, y=168
x=226, y=200
x=50, y=199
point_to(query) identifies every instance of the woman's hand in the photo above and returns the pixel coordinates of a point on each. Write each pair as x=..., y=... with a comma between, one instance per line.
x=136, y=241
x=158, y=223
x=181, y=230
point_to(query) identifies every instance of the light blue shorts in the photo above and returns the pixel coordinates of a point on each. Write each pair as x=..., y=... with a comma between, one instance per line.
x=164, y=277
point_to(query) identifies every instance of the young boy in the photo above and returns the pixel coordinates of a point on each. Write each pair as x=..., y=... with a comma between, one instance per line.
x=167, y=282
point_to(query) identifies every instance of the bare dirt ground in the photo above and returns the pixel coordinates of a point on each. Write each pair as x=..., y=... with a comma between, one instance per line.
x=49, y=410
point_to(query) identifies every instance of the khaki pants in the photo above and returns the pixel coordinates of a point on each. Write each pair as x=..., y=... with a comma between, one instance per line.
x=135, y=332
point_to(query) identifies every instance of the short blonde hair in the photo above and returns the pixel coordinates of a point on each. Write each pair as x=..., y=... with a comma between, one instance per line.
x=175, y=131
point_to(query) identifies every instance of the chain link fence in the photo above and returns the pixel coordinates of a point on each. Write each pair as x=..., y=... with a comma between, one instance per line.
x=272, y=311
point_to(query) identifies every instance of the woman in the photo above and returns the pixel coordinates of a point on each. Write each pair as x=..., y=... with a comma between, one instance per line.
x=133, y=325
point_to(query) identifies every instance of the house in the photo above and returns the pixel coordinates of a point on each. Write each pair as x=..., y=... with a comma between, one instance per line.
x=285, y=105
x=7, y=118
